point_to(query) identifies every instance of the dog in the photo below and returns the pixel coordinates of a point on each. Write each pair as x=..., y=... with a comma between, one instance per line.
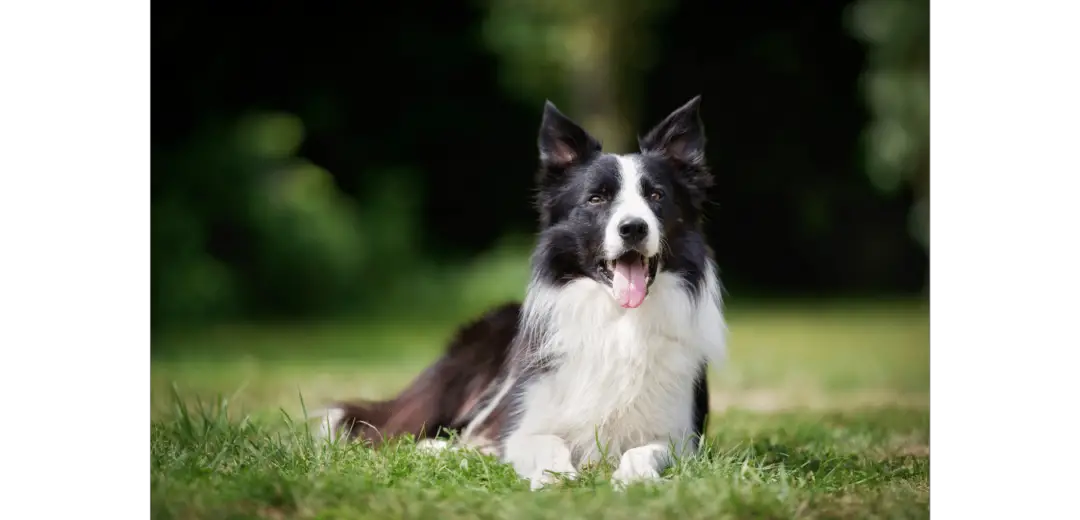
x=608, y=353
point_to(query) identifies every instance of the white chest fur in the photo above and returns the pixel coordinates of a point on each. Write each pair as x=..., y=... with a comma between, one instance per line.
x=624, y=377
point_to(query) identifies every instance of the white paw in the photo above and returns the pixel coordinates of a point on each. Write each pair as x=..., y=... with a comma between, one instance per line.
x=544, y=478
x=642, y=464
x=623, y=477
x=542, y=459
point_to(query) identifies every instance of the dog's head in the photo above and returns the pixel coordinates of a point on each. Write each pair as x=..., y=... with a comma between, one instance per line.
x=619, y=219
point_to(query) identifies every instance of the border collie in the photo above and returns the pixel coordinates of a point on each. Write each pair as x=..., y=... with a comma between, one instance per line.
x=608, y=353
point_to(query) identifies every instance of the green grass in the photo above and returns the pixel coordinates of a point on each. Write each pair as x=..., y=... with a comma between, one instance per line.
x=821, y=412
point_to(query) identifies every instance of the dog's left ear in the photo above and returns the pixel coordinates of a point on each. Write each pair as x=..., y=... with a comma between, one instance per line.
x=680, y=136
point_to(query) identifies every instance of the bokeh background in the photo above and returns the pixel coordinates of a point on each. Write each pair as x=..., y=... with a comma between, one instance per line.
x=336, y=186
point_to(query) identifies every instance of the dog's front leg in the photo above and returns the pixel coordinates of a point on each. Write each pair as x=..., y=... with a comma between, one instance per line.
x=540, y=458
x=643, y=463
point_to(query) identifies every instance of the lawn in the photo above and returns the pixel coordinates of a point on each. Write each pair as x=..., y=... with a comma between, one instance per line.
x=821, y=412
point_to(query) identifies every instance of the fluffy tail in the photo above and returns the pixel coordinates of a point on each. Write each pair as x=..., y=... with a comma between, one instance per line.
x=444, y=396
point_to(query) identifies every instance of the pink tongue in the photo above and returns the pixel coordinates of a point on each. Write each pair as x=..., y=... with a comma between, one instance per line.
x=629, y=284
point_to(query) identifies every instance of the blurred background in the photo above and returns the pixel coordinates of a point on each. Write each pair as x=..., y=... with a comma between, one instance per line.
x=332, y=184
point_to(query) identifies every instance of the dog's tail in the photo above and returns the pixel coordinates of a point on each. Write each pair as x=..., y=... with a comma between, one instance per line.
x=443, y=397
x=418, y=410
x=353, y=419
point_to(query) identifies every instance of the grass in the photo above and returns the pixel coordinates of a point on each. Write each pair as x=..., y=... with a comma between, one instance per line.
x=822, y=412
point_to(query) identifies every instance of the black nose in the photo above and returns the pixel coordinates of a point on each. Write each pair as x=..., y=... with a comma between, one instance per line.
x=633, y=230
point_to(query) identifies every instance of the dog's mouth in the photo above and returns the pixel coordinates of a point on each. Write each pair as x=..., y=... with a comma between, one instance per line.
x=630, y=276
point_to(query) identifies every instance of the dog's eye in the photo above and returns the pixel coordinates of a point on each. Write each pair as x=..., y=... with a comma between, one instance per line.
x=596, y=199
x=656, y=195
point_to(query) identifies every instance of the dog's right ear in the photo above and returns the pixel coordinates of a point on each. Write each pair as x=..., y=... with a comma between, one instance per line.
x=562, y=142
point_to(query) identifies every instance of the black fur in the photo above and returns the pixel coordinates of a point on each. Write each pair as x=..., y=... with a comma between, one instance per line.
x=701, y=402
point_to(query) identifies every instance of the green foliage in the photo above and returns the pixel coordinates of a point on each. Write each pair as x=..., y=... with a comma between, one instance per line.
x=588, y=57
x=188, y=284
x=543, y=45
x=293, y=242
x=897, y=87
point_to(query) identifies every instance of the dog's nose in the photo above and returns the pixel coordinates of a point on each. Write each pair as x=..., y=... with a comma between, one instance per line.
x=633, y=230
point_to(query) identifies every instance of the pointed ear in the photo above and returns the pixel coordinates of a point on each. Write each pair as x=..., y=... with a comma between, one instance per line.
x=680, y=136
x=563, y=142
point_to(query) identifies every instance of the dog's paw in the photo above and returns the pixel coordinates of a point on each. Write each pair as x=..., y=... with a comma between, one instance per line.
x=545, y=478
x=541, y=459
x=624, y=476
x=639, y=465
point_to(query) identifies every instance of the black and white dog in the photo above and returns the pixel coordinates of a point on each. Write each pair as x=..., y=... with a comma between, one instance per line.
x=607, y=355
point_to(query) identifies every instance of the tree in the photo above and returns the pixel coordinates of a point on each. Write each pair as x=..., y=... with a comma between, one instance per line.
x=587, y=57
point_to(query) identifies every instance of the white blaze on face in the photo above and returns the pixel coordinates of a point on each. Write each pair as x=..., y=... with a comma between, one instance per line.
x=630, y=279
x=629, y=203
